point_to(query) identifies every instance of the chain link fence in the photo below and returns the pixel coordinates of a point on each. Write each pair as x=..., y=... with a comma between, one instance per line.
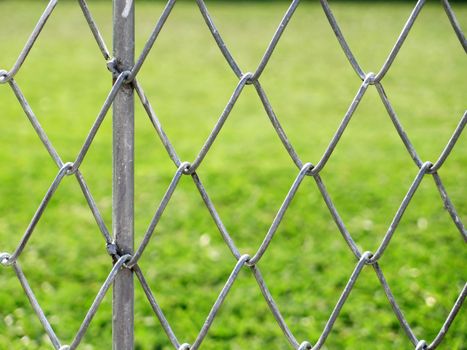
x=129, y=262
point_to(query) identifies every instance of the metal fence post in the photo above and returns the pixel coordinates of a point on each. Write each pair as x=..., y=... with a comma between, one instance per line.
x=123, y=175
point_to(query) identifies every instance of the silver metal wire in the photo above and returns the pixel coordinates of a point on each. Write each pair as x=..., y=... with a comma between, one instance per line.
x=130, y=262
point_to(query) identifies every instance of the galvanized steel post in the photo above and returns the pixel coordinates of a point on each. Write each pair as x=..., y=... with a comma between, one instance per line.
x=123, y=174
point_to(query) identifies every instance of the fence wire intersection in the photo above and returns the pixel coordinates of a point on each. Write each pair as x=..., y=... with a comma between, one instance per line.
x=183, y=168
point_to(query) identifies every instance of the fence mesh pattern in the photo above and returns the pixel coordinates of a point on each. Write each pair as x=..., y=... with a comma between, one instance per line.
x=126, y=261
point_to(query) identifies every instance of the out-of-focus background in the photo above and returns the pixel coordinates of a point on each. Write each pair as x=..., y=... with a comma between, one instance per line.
x=247, y=173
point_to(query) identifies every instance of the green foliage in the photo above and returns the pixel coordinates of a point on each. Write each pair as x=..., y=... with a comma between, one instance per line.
x=247, y=174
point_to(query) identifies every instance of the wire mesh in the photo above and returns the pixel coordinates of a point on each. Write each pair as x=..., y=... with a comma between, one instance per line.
x=126, y=261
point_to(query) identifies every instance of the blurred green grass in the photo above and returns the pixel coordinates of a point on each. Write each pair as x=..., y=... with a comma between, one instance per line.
x=247, y=174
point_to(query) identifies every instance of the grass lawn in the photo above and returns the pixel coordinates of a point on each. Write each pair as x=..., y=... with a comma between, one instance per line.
x=247, y=173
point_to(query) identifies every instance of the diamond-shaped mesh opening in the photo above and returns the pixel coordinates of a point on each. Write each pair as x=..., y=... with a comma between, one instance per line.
x=32, y=171
x=186, y=264
x=309, y=62
x=238, y=27
x=65, y=285
x=453, y=177
x=426, y=227
x=197, y=76
x=366, y=303
x=368, y=207
x=17, y=28
x=372, y=36
x=259, y=178
x=429, y=102
x=66, y=113
x=242, y=327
